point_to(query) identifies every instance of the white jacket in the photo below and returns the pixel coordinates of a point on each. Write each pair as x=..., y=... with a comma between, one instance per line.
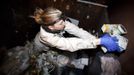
x=83, y=39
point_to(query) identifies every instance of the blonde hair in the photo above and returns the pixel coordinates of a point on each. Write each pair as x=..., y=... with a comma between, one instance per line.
x=47, y=15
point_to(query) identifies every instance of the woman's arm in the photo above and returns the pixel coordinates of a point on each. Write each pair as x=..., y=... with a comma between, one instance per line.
x=79, y=32
x=70, y=44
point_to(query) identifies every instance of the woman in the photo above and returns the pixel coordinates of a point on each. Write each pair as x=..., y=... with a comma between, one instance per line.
x=54, y=22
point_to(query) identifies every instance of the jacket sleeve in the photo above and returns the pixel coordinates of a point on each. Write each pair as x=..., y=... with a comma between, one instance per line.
x=79, y=32
x=69, y=44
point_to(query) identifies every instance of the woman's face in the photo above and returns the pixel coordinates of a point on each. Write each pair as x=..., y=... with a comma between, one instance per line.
x=58, y=26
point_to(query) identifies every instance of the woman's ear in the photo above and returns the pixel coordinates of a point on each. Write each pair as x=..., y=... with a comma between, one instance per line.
x=50, y=27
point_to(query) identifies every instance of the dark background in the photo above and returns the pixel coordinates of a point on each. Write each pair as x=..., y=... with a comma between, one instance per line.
x=122, y=11
x=16, y=27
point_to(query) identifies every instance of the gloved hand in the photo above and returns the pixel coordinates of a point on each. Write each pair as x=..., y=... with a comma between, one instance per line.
x=110, y=43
